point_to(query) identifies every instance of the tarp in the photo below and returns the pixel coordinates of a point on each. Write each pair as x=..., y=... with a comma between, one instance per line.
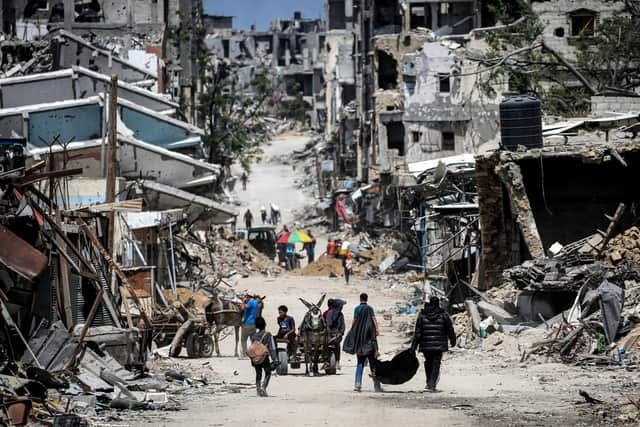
x=611, y=303
x=398, y=370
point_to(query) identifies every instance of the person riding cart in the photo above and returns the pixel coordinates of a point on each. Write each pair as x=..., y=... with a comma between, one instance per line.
x=287, y=330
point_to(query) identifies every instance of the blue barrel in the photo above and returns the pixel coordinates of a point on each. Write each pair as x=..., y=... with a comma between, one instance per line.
x=521, y=122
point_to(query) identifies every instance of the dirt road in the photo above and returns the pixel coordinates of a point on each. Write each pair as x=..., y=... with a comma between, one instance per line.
x=483, y=386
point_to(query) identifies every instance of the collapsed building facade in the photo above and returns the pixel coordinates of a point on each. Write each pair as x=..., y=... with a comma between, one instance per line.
x=291, y=49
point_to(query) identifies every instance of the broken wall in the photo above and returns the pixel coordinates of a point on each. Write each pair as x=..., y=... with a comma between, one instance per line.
x=563, y=20
x=568, y=193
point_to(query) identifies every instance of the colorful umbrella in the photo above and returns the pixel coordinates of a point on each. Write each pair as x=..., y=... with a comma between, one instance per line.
x=295, y=237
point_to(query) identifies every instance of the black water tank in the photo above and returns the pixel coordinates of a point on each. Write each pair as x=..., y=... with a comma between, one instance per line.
x=521, y=122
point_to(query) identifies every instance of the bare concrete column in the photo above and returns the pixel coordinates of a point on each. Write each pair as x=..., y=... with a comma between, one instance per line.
x=511, y=177
x=434, y=16
x=69, y=14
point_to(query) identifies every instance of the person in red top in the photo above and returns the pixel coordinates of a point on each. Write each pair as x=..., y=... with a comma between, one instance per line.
x=329, y=307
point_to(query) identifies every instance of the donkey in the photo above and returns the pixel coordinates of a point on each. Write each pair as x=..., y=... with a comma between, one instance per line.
x=223, y=314
x=314, y=335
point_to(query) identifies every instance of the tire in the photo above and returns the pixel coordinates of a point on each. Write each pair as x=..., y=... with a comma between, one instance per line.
x=283, y=358
x=193, y=345
x=206, y=346
x=331, y=370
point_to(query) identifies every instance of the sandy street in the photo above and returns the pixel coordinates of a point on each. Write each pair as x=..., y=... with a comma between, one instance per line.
x=482, y=386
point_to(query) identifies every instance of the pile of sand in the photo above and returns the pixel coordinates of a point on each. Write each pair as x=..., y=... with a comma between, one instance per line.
x=323, y=266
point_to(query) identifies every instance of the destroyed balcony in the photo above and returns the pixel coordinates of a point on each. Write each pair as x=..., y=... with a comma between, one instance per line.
x=74, y=83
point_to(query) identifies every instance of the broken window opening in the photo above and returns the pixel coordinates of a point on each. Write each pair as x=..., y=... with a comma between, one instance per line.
x=225, y=48
x=410, y=84
x=337, y=16
x=448, y=141
x=455, y=18
x=416, y=136
x=583, y=22
x=387, y=71
x=387, y=16
x=420, y=16
x=395, y=137
x=348, y=94
x=444, y=83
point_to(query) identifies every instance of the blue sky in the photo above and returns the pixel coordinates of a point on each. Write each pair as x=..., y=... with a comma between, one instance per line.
x=262, y=12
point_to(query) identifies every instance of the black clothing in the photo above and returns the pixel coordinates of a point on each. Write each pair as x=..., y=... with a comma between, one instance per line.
x=361, y=339
x=398, y=370
x=335, y=319
x=266, y=367
x=432, y=361
x=434, y=329
x=267, y=339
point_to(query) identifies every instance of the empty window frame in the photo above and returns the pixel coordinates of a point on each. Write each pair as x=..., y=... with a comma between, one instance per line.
x=448, y=141
x=444, y=83
x=583, y=22
x=395, y=137
x=416, y=136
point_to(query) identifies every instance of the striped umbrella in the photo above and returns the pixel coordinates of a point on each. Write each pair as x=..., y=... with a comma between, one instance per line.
x=295, y=237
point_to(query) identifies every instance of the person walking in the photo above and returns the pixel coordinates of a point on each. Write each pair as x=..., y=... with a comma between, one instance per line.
x=433, y=329
x=248, y=218
x=310, y=248
x=250, y=307
x=275, y=213
x=263, y=356
x=347, y=265
x=362, y=340
x=336, y=326
x=244, y=178
x=263, y=214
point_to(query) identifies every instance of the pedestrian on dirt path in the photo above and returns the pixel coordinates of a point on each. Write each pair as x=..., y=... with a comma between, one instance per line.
x=310, y=248
x=433, y=329
x=275, y=214
x=250, y=307
x=347, y=265
x=244, y=178
x=263, y=214
x=336, y=326
x=263, y=356
x=248, y=218
x=362, y=340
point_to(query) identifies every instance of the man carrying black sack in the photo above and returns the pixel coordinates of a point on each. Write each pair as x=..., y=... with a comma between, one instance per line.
x=434, y=329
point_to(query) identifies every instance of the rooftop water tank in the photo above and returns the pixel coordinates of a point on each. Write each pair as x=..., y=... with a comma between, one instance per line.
x=521, y=122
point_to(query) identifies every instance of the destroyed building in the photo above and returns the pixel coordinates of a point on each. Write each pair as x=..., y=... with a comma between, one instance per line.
x=291, y=48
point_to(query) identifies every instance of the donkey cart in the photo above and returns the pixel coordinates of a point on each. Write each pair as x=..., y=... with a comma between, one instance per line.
x=314, y=346
x=196, y=338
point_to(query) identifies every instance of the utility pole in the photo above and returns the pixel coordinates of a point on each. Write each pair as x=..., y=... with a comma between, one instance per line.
x=111, y=158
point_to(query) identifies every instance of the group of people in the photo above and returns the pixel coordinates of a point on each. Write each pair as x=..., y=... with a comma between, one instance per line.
x=433, y=334
x=287, y=251
x=274, y=218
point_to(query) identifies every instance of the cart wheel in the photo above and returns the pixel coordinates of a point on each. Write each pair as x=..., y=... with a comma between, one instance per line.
x=331, y=370
x=206, y=346
x=176, y=351
x=193, y=345
x=283, y=358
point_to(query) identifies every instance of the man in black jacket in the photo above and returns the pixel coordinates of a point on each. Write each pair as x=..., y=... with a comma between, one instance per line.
x=434, y=330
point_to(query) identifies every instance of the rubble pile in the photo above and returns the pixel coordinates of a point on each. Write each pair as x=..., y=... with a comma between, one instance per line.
x=624, y=247
x=221, y=255
x=552, y=274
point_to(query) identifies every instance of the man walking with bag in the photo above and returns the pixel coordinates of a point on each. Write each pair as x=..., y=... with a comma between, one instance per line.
x=434, y=330
x=262, y=353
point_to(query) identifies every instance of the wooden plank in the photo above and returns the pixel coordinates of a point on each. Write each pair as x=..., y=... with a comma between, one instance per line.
x=116, y=268
x=64, y=279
